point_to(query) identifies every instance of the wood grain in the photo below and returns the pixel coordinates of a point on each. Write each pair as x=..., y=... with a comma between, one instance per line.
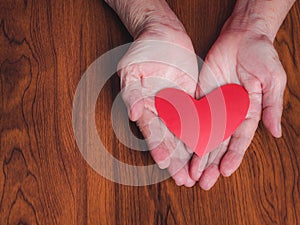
x=45, y=46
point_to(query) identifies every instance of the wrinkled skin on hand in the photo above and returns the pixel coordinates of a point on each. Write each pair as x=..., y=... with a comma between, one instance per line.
x=238, y=56
x=248, y=59
x=140, y=81
x=241, y=57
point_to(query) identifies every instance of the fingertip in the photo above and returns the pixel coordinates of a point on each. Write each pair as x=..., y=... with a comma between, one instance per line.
x=163, y=164
x=136, y=111
x=189, y=182
x=209, y=177
x=194, y=174
x=230, y=163
x=278, y=133
x=272, y=125
x=161, y=156
x=226, y=172
x=205, y=187
x=197, y=166
x=180, y=180
x=179, y=173
x=134, y=115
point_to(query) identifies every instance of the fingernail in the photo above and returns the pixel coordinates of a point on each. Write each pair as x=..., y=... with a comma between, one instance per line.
x=130, y=114
x=226, y=172
x=189, y=182
x=180, y=181
x=198, y=175
x=164, y=163
x=279, y=131
x=133, y=115
x=206, y=184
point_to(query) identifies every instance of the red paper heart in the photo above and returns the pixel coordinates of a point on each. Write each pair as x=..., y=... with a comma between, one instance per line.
x=203, y=124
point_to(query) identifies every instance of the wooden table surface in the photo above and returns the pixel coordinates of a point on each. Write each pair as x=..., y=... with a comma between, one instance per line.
x=45, y=46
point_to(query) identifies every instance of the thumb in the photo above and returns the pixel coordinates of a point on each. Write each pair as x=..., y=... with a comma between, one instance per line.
x=273, y=100
x=132, y=94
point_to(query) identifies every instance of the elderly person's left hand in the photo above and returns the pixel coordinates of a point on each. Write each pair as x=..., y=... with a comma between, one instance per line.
x=244, y=54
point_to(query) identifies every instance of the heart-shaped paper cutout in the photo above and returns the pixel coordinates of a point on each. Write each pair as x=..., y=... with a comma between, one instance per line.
x=203, y=124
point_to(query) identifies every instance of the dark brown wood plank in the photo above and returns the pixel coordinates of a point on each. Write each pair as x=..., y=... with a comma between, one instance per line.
x=45, y=46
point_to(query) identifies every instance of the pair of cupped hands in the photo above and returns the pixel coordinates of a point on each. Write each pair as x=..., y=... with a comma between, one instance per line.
x=245, y=57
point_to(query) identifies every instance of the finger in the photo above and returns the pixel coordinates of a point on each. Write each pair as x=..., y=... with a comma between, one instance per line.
x=216, y=155
x=179, y=160
x=238, y=145
x=161, y=155
x=273, y=101
x=212, y=172
x=266, y=67
x=243, y=136
x=181, y=176
x=189, y=181
x=197, y=166
x=166, y=150
x=132, y=92
x=209, y=177
x=154, y=132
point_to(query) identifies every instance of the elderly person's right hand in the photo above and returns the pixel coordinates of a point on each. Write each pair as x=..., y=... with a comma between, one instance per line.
x=161, y=56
